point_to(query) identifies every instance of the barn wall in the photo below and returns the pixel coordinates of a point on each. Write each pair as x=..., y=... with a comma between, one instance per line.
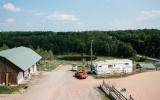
x=20, y=77
x=33, y=69
x=16, y=75
x=26, y=74
x=7, y=67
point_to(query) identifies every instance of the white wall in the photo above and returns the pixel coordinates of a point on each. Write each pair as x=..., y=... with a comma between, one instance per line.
x=103, y=68
x=20, y=77
x=33, y=69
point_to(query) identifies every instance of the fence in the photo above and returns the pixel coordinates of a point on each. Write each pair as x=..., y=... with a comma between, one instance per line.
x=113, y=93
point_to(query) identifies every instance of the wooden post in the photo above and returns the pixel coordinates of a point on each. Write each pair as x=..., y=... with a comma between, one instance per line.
x=91, y=55
x=6, y=79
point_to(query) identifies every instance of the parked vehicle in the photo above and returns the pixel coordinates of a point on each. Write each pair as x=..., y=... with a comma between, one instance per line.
x=74, y=67
x=81, y=74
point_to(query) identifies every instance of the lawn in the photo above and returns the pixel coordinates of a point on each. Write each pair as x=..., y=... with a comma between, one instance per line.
x=46, y=65
x=11, y=89
x=103, y=58
x=51, y=65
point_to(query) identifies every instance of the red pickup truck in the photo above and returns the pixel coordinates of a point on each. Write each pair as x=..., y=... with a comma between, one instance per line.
x=81, y=74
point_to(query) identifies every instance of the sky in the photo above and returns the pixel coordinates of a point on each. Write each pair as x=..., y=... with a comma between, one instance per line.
x=78, y=15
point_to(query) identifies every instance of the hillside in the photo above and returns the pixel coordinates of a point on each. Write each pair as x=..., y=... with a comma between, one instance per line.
x=106, y=43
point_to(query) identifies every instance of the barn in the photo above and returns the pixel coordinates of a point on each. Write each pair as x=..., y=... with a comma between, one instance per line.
x=113, y=66
x=17, y=64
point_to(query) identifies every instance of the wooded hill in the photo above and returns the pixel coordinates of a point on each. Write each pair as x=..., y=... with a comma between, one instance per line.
x=105, y=43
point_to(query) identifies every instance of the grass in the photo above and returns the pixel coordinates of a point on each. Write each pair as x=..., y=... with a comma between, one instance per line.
x=102, y=58
x=11, y=89
x=50, y=65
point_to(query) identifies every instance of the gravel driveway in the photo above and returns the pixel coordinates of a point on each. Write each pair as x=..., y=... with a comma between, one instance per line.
x=59, y=85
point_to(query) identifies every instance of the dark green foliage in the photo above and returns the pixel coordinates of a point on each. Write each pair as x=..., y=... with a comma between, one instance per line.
x=3, y=47
x=9, y=90
x=145, y=42
x=76, y=57
x=46, y=55
x=106, y=43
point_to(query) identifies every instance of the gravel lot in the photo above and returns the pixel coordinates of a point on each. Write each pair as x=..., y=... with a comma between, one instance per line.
x=58, y=85
x=61, y=85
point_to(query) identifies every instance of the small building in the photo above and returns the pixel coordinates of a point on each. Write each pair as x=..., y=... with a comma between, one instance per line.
x=113, y=66
x=148, y=66
x=17, y=64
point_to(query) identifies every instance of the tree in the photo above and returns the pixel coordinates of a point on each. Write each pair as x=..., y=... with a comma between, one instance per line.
x=106, y=43
x=4, y=47
x=126, y=50
x=51, y=57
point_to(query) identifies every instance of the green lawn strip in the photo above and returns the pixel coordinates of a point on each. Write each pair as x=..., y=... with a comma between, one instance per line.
x=11, y=89
x=102, y=58
x=50, y=65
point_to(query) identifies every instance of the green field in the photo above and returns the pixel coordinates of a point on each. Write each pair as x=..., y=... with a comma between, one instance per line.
x=48, y=65
x=11, y=89
x=51, y=65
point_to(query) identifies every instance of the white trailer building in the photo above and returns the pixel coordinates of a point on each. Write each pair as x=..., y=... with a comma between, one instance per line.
x=113, y=66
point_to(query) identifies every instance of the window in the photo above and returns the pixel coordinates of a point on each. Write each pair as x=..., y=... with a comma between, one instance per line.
x=110, y=66
x=126, y=63
x=100, y=66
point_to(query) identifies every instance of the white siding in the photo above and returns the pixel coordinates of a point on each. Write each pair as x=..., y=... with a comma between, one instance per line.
x=20, y=77
x=27, y=74
x=33, y=69
x=113, y=66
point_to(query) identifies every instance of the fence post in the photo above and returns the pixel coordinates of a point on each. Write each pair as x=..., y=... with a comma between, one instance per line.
x=103, y=82
x=6, y=79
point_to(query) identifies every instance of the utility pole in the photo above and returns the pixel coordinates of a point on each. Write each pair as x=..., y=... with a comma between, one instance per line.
x=91, y=54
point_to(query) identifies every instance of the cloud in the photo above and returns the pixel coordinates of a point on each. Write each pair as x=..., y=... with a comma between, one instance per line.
x=10, y=20
x=11, y=7
x=36, y=12
x=62, y=17
x=148, y=15
x=145, y=19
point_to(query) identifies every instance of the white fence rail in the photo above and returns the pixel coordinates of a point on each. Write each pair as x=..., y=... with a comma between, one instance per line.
x=113, y=93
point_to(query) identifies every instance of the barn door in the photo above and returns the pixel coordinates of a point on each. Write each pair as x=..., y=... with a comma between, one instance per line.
x=12, y=78
x=2, y=78
x=8, y=78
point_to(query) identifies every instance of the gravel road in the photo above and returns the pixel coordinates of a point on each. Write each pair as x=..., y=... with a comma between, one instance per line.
x=59, y=85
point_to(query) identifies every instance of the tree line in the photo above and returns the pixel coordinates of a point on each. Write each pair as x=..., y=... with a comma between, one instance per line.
x=125, y=43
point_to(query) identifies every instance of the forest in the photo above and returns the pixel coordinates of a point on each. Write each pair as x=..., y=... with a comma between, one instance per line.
x=120, y=43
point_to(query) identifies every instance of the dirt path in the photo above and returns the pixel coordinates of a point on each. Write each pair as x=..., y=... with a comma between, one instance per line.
x=59, y=85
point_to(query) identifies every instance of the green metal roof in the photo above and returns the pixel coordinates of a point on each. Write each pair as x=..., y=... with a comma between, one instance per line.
x=22, y=57
x=147, y=65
